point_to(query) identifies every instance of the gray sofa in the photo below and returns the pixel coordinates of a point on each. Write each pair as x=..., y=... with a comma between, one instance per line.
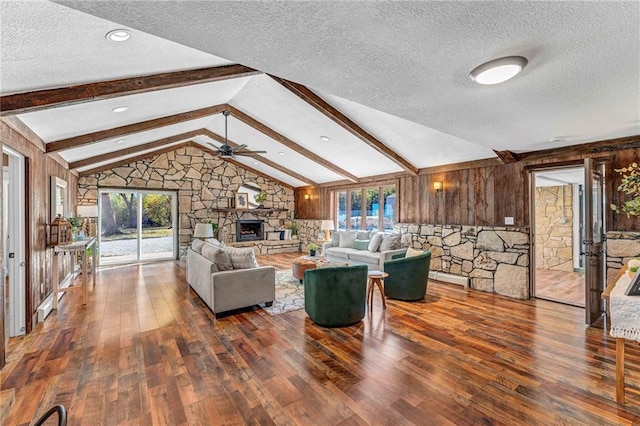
x=231, y=289
x=360, y=250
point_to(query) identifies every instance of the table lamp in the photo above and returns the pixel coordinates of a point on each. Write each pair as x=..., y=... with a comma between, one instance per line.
x=203, y=230
x=87, y=212
x=327, y=227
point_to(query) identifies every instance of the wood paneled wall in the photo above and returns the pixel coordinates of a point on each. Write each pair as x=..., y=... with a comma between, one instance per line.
x=39, y=169
x=480, y=196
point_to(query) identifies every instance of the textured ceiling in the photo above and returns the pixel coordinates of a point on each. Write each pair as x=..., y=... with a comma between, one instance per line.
x=399, y=70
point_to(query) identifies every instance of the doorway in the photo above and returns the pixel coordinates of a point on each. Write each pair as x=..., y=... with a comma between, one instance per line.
x=14, y=230
x=137, y=226
x=558, y=227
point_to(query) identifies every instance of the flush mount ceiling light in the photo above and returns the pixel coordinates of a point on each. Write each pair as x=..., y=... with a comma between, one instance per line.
x=498, y=70
x=324, y=138
x=118, y=35
x=120, y=109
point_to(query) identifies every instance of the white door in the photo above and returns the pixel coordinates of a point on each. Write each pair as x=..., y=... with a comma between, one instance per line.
x=13, y=195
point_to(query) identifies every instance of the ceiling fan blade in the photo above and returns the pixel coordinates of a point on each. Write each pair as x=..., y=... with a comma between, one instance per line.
x=239, y=147
x=250, y=153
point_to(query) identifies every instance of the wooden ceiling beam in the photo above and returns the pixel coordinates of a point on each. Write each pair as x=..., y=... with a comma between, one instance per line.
x=262, y=159
x=626, y=142
x=134, y=159
x=63, y=96
x=250, y=121
x=134, y=149
x=142, y=126
x=507, y=157
x=244, y=166
x=345, y=122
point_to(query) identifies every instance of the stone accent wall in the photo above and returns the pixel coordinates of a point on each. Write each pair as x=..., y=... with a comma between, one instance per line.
x=203, y=183
x=554, y=228
x=270, y=247
x=621, y=247
x=496, y=259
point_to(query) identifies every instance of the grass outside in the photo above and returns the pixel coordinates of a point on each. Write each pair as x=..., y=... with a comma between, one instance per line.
x=130, y=233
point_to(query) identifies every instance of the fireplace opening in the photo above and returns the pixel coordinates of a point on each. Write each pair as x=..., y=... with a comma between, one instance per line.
x=249, y=230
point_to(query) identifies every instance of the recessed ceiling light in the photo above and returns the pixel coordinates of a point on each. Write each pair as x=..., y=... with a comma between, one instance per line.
x=325, y=138
x=118, y=35
x=281, y=153
x=120, y=109
x=498, y=70
x=120, y=140
x=557, y=139
x=255, y=162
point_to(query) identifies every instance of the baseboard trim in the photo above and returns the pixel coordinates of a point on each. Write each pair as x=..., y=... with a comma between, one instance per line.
x=46, y=306
x=449, y=278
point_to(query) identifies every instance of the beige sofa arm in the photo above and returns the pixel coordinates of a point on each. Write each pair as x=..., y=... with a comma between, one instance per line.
x=388, y=254
x=325, y=246
x=242, y=287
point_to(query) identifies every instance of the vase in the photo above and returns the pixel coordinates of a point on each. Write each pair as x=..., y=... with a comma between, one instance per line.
x=312, y=253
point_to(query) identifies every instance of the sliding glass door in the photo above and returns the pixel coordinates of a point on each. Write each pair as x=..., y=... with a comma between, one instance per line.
x=137, y=225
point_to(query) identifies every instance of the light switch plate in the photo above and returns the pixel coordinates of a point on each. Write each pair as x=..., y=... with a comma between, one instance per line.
x=508, y=220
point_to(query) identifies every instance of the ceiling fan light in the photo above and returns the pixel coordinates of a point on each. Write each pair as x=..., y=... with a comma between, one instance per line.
x=498, y=70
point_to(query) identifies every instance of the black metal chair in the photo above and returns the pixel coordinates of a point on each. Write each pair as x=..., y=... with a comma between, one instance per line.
x=62, y=416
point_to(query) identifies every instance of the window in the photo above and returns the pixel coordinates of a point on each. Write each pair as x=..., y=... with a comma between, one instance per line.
x=370, y=209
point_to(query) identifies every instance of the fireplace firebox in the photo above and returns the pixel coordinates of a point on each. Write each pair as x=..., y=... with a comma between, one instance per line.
x=249, y=230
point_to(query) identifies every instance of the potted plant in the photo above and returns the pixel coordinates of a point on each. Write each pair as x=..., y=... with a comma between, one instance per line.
x=260, y=198
x=76, y=223
x=313, y=248
x=294, y=229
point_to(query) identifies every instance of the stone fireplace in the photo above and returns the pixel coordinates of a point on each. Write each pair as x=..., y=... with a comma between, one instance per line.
x=249, y=230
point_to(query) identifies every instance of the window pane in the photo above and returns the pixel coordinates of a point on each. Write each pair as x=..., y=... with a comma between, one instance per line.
x=373, y=208
x=356, y=209
x=389, y=194
x=157, y=229
x=341, y=213
x=119, y=225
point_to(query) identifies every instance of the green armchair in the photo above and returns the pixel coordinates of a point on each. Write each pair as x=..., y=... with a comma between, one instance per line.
x=408, y=277
x=335, y=296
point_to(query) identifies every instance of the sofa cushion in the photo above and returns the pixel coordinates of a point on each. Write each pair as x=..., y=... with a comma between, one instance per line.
x=411, y=252
x=347, y=238
x=242, y=258
x=214, y=242
x=339, y=252
x=390, y=242
x=196, y=245
x=374, y=243
x=335, y=239
x=363, y=235
x=209, y=252
x=360, y=244
x=365, y=256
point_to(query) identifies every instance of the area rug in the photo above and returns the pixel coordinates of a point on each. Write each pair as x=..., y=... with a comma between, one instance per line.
x=289, y=294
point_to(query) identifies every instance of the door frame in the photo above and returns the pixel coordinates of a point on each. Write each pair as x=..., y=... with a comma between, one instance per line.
x=16, y=219
x=594, y=239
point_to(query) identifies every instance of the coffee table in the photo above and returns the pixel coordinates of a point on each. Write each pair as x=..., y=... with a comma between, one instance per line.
x=304, y=263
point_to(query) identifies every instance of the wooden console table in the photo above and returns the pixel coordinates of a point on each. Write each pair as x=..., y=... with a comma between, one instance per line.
x=75, y=247
x=625, y=321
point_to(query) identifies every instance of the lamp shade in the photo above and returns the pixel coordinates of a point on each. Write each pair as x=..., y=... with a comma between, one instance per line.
x=327, y=225
x=203, y=230
x=88, y=211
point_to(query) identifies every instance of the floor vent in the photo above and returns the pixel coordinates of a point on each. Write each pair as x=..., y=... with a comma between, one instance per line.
x=449, y=278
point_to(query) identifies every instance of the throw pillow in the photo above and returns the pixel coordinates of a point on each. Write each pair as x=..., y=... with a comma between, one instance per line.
x=389, y=241
x=242, y=258
x=363, y=235
x=360, y=244
x=217, y=255
x=281, y=235
x=287, y=234
x=347, y=238
x=335, y=239
x=411, y=252
x=273, y=236
x=215, y=242
x=196, y=245
x=374, y=243
x=209, y=251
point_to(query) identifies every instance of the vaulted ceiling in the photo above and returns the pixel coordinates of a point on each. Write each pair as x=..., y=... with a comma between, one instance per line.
x=386, y=82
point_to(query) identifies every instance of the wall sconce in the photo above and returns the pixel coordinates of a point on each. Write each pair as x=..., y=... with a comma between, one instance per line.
x=438, y=186
x=307, y=197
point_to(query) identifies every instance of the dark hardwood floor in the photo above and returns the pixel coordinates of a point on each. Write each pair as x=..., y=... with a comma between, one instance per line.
x=145, y=350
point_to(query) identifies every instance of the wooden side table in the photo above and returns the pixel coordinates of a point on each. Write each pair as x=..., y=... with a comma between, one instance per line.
x=375, y=280
x=75, y=247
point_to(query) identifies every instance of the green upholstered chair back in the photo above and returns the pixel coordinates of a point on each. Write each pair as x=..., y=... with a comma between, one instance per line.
x=408, y=277
x=335, y=296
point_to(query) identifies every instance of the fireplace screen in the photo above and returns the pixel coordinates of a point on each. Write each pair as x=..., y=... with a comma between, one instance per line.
x=249, y=230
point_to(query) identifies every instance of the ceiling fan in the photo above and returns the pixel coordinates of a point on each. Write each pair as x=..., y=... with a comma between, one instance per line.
x=227, y=151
